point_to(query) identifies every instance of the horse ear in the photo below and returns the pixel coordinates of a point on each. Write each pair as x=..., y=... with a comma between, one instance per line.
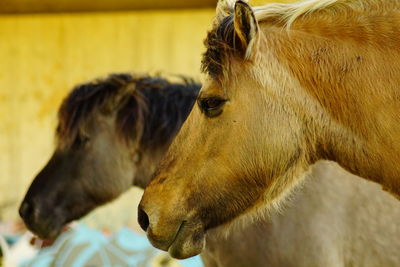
x=246, y=26
x=224, y=9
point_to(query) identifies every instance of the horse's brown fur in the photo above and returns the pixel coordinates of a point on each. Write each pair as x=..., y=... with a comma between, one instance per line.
x=305, y=82
x=328, y=47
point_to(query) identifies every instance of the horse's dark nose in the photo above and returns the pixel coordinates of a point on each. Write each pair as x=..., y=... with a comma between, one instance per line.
x=143, y=219
x=26, y=210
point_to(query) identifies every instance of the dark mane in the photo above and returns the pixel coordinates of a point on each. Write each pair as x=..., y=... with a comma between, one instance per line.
x=221, y=43
x=149, y=108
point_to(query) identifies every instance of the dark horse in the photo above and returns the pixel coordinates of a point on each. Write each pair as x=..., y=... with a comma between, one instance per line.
x=114, y=129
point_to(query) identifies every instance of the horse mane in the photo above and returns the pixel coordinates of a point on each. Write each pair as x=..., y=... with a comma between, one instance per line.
x=221, y=42
x=219, y=46
x=149, y=108
x=289, y=13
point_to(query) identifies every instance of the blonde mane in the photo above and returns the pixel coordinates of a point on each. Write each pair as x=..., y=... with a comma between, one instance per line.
x=288, y=13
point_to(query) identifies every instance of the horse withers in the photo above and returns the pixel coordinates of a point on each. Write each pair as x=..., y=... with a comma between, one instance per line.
x=111, y=133
x=286, y=85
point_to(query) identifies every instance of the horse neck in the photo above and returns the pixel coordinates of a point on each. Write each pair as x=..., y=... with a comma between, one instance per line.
x=353, y=80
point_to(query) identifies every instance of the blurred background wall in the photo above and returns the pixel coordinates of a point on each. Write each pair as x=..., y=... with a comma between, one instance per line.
x=48, y=46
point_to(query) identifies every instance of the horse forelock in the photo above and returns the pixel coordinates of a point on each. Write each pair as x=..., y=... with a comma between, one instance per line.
x=150, y=109
x=220, y=45
x=83, y=101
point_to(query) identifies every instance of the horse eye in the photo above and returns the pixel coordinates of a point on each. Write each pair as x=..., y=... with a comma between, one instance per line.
x=212, y=106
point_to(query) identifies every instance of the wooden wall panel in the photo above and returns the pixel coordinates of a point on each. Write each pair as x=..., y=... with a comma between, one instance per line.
x=64, y=6
x=51, y=6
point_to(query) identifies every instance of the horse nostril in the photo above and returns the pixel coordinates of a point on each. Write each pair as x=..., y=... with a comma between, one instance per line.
x=143, y=219
x=25, y=210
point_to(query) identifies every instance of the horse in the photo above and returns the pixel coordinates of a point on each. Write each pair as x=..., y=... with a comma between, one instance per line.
x=286, y=85
x=111, y=133
x=280, y=239
x=333, y=219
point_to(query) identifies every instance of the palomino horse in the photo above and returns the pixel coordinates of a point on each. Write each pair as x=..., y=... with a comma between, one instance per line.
x=323, y=210
x=111, y=134
x=287, y=85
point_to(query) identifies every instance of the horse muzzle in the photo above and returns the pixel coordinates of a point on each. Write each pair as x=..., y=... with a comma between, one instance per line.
x=47, y=227
x=182, y=237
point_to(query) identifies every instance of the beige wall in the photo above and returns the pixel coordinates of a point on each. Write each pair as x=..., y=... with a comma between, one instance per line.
x=43, y=56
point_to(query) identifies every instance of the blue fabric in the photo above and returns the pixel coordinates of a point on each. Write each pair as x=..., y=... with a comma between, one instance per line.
x=83, y=246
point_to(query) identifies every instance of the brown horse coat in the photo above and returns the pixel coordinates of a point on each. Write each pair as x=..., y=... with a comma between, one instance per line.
x=287, y=85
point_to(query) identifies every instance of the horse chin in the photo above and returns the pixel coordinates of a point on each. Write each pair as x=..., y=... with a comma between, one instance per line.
x=187, y=244
x=51, y=227
x=52, y=235
x=186, y=241
x=47, y=230
x=42, y=242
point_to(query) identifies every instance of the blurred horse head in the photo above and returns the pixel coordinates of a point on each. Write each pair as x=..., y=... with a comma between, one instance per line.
x=111, y=134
